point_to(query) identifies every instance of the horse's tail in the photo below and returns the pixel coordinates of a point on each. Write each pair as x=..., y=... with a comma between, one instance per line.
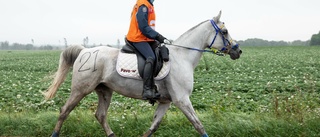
x=67, y=58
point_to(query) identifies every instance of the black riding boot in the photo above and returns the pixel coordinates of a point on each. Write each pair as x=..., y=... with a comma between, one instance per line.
x=148, y=82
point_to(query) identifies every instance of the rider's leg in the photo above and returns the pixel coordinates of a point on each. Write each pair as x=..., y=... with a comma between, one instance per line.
x=148, y=81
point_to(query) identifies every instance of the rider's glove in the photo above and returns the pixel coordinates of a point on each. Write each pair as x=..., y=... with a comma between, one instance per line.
x=160, y=38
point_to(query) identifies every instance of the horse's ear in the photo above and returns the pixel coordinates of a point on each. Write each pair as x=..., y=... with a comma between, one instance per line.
x=217, y=18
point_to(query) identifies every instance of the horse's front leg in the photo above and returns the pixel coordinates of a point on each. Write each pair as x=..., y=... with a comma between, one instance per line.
x=184, y=104
x=104, y=95
x=158, y=115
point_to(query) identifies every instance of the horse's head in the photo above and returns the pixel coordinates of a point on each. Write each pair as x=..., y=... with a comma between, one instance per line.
x=221, y=40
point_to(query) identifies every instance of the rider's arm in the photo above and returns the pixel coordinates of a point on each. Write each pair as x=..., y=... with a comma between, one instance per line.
x=142, y=18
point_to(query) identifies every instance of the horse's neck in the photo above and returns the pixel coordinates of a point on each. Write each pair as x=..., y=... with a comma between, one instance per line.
x=197, y=38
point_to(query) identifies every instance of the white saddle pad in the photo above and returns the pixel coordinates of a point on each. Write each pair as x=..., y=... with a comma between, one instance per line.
x=127, y=66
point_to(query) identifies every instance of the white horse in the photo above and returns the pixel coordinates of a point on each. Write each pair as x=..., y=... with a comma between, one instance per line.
x=95, y=69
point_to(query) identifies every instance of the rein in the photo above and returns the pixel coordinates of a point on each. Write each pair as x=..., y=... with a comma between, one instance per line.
x=213, y=51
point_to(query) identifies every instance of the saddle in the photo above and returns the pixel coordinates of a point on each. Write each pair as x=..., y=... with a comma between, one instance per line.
x=161, y=66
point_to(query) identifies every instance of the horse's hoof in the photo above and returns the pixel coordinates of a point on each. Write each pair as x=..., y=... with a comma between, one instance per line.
x=55, y=134
x=148, y=134
x=112, y=135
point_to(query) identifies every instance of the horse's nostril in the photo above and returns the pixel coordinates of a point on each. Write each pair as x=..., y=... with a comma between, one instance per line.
x=240, y=51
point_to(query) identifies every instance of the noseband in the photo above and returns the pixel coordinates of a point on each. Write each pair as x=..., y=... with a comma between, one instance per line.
x=226, y=42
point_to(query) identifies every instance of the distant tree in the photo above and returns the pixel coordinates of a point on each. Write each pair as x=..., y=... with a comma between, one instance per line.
x=4, y=45
x=29, y=47
x=299, y=43
x=85, y=41
x=315, y=40
x=254, y=42
x=308, y=42
x=17, y=46
x=46, y=47
x=65, y=42
x=282, y=43
x=118, y=43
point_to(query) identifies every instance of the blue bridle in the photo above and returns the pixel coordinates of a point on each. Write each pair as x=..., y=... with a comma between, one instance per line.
x=226, y=42
x=220, y=52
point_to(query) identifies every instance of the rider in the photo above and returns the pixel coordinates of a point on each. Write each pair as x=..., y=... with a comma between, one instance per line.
x=142, y=36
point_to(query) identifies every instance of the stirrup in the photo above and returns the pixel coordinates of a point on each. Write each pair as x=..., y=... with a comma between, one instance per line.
x=155, y=96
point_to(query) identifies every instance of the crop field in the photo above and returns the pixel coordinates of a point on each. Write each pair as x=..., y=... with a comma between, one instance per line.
x=269, y=91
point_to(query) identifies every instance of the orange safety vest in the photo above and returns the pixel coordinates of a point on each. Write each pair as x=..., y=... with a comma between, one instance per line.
x=134, y=33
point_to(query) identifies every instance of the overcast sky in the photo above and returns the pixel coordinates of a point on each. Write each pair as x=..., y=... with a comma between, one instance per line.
x=105, y=21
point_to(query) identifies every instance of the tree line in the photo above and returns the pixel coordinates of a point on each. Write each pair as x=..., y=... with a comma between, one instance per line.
x=17, y=46
x=261, y=42
x=314, y=41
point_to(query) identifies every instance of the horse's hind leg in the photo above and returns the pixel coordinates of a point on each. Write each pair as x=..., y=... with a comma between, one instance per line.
x=185, y=105
x=104, y=95
x=74, y=99
x=158, y=115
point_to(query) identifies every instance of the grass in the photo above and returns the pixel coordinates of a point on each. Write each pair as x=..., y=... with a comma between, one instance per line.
x=222, y=124
x=269, y=91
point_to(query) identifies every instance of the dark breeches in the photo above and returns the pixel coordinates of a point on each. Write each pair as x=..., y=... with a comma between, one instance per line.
x=145, y=49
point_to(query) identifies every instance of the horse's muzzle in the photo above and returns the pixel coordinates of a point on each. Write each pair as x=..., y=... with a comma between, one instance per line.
x=235, y=53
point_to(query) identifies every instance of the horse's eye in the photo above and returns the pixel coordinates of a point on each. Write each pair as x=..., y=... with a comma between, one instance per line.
x=224, y=32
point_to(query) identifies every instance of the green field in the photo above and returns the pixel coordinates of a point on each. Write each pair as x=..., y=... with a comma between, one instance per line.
x=269, y=91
